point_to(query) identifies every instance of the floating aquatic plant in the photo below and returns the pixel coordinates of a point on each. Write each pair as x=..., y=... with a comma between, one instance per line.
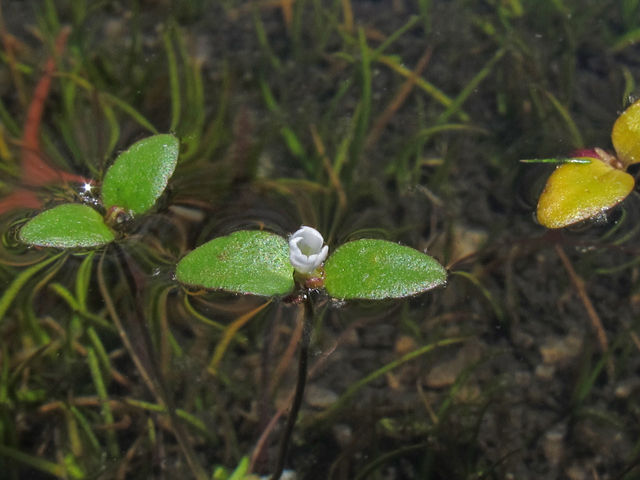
x=594, y=181
x=262, y=263
x=131, y=187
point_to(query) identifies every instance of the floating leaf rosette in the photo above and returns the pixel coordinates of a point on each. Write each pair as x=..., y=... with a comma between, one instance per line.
x=132, y=185
x=262, y=263
x=579, y=191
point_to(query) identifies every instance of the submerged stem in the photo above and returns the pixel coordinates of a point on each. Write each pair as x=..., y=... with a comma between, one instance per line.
x=309, y=314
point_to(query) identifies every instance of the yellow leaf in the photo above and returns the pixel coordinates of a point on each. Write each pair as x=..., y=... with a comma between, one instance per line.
x=576, y=192
x=626, y=135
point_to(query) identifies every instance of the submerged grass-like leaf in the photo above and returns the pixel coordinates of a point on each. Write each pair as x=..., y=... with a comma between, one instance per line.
x=107, y=414
x=37, y=463
x=229, y=334
x=19, y=282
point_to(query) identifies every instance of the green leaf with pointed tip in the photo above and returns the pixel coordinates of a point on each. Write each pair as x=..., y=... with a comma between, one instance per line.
x=376, y=269
x=67, y=226
x=248, y=261
x=139, y=176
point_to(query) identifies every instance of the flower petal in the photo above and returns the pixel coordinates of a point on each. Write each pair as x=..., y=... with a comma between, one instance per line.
x=322, y=256
x=306, y=251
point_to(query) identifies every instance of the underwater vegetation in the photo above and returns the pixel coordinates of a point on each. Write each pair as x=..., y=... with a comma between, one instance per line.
x=264, y=239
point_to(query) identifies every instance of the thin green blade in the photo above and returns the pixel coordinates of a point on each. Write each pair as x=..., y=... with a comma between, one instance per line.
x=139, y=175
x=67, y=226
x=376, y=269
x=253, y=262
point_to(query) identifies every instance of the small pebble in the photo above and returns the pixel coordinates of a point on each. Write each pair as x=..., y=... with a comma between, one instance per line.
x=343, y=434
x=114, y=29
x=576, y=472
x=466, y=241
x=405, y=344
x=320, y=397
x=522, y=378
x=558, y=351
x=444, y=374
x=350, y=339
x=545, y=372
x=463, y=242
x=626, y=386
x=553, y=444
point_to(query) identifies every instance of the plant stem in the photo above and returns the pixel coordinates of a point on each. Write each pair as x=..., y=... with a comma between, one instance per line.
x=309, y=314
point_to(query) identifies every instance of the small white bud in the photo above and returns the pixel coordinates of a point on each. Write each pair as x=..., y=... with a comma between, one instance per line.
x=306, y=251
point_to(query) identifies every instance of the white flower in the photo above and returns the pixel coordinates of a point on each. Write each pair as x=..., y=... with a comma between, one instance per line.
x=306, y=252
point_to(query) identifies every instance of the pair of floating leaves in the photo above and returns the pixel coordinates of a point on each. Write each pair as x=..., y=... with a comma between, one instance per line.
x=579, y=191
x=134, y=183
x=257, y=262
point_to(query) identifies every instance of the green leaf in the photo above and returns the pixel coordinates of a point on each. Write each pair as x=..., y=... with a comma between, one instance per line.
x=67, y=226
x=37, y=463
x=241, y=470
x=376, y=269
x=248, y=261
x=139, y=176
